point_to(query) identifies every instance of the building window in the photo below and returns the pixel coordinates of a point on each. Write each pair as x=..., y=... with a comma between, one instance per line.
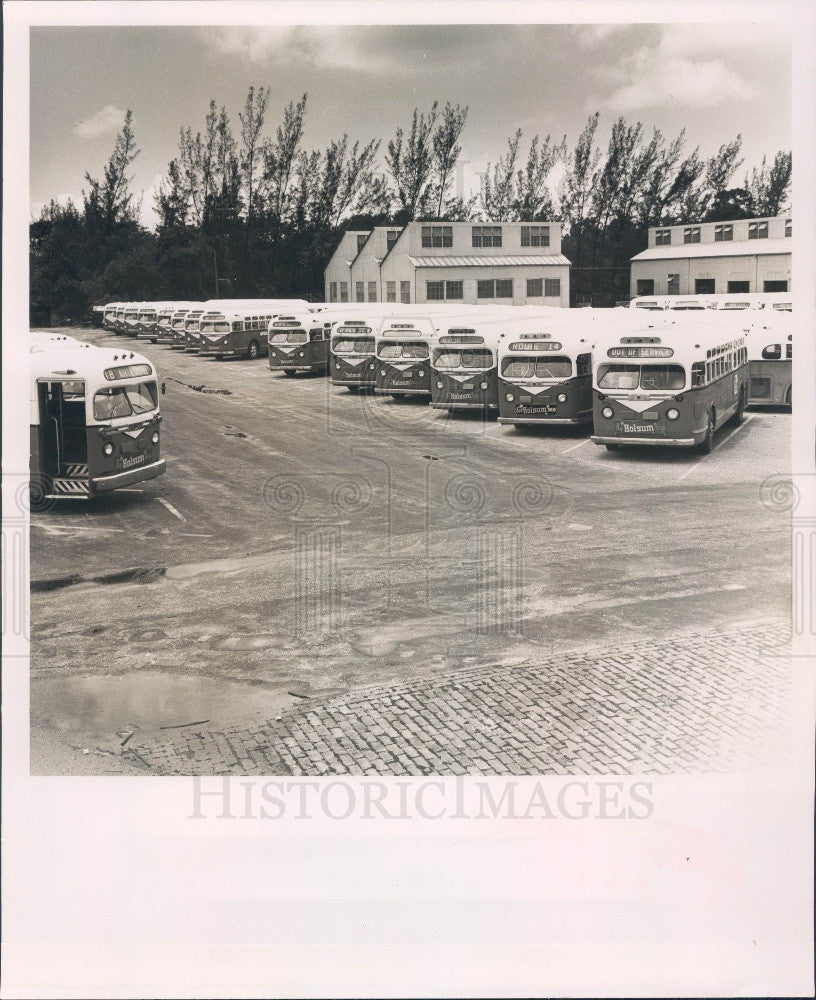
x=487, y=236
x=774, y=286
x=703, y=286
x=552, y=288
x=390, y=291
x=391, y=237
x=673, y=285
x=723, y=234
x=691, y=234
x=663, y=238
x=405, y=291
x=434, y=290
x=644, y=286
x=788, y=228
x=535, y=236
x=454, y=290
x=333, y=291
x=437, y=236
x=739, y=287
x=757, y=230
x=344, y=291
x=372, y=291
x=485, y=289
x=504, y=289
x=535, y=288
x=361, y=241
x=359, y=291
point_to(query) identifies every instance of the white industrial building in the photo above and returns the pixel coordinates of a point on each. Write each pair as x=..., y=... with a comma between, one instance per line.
x=513, y=263
x=709, y=258
x=338, y=271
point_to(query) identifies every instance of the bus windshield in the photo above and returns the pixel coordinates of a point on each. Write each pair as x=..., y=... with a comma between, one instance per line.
x=288, y=337
x=354, y=345
x=537, y=367
x=661, y=378
x=414, y=349
x=479, y=359
x=125, y=401
x=212, y=327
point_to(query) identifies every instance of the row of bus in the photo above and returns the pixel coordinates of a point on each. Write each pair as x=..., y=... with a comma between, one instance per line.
x=529, y=365
x=94, y=417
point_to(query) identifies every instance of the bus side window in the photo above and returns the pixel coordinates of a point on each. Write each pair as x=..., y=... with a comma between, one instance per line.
x=582, y=364
x=773, y=352
x=788, y=352
x=698, y=374
x=316, y=335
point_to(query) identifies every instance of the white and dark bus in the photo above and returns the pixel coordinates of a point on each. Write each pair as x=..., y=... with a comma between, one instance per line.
x=669, y=383
x=770, y=363
x=94, y=419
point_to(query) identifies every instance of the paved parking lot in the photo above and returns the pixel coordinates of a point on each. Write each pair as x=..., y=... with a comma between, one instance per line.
x=324, y=557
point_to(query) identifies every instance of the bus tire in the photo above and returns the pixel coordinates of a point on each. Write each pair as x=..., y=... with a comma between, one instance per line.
x=289, y=371
x=612, y=447
x=706, y=446
x=254, y=350
x=739, y=413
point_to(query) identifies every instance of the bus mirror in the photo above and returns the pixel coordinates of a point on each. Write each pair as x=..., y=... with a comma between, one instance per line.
x=164, y=388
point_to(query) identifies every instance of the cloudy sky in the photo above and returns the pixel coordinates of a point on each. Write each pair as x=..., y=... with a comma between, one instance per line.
x=716, y=80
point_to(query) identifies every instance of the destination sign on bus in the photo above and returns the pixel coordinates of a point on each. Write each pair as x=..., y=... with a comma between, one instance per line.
x=461, y=340
x=640, y=340
x=536, y=345
x=402, y=326
x=640, y=352
x=285, y=323
x=127, y=371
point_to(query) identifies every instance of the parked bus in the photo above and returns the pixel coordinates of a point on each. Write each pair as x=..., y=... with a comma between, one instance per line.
x=146, y=326
x=94, y=420
x=178, y=329
x=165, y=317
x=671, y=383
x=351, y=351
x=239, y=329
x=402, y=347
x=728, y=301
x=299, y=342
x=109, y=316
x=545, y=376
x=770, y=364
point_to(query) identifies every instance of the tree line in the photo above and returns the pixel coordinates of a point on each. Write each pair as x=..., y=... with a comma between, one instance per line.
x=246, y=210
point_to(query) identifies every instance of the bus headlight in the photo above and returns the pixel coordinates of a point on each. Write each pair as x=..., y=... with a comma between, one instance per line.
x=382, y=373
x=336, y=364
x=608, y=412
x=371, y=366
x=483, y=385
x=509, y=397
x=155, y=437
x=440, y=385
x=562, y=397
x=300, y=354
x=672, y=414
x=420, y=372
x=108, y=448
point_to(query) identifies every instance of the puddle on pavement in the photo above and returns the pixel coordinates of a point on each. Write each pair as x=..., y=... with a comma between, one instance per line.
x=105, y=705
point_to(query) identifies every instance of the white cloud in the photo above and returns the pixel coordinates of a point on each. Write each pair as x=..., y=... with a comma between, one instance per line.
x=679, y=70
x=101, y=122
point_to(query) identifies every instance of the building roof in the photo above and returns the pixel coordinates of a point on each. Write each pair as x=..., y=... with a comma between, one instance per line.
x=476, y=260
x=740, y=248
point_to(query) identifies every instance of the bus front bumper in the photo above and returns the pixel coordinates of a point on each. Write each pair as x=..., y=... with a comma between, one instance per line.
x=571, y=421
x=439, y=405
x=400, y=391
x=658, y=441
x=102, y=484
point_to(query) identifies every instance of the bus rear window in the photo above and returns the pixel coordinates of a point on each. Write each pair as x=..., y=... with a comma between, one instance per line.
x=288, y=337
x=352, y=345
x=773, y=352
x=125, y=401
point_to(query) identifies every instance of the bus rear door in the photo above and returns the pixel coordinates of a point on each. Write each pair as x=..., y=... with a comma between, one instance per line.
x=63, y=440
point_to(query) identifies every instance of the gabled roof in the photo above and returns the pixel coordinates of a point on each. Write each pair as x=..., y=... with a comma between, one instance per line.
x=740, y=248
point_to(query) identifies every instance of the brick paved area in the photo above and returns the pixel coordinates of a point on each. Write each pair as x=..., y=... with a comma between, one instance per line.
x=701, y=701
